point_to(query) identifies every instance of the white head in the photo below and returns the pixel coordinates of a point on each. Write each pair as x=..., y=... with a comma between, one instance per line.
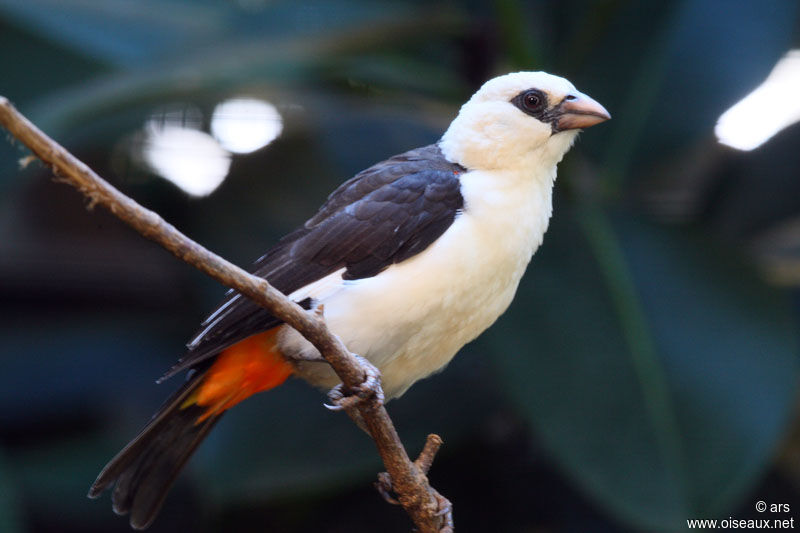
x=518, y=120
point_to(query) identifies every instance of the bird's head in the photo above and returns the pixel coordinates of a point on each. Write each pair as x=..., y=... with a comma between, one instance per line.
x=519, y=119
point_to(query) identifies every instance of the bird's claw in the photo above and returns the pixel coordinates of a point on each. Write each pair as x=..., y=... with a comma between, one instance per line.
x=368, y=389
x=385, y=489
x=336, y=396
x=444, y=507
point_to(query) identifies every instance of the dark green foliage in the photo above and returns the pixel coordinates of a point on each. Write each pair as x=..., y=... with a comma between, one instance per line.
x=645, y=374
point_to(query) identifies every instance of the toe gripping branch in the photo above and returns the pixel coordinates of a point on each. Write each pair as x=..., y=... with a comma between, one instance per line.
x=444, y=509
x=370, y=390
x=348, y=399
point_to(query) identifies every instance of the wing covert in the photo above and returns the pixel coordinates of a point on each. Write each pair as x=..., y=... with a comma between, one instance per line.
x=383, y=215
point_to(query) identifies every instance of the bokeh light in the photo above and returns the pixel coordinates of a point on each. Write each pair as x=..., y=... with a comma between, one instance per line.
x=771, y=107
x=175, y=149
x=243, y=125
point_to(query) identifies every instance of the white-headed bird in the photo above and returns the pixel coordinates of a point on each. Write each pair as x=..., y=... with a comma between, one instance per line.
x=412, y=258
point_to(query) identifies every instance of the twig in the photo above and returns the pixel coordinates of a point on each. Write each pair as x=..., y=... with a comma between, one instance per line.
x=409, y=481
x=429, y=451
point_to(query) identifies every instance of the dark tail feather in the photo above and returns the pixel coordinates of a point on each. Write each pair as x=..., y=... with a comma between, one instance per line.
x=145, y=469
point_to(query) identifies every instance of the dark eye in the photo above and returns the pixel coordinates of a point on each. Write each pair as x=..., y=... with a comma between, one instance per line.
x=532, y=100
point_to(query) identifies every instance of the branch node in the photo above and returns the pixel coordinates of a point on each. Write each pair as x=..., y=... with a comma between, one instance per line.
x=428, y=453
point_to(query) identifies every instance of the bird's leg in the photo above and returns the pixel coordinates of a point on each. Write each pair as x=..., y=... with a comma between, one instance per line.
x=313, y=357
x=348, y=399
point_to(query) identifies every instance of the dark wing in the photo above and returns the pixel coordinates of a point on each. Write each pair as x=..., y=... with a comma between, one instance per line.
x=384, y=215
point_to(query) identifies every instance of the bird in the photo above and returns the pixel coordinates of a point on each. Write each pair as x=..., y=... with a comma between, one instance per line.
x=411, y=259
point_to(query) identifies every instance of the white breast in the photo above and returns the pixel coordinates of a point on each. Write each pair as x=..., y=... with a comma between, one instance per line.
x=413, y=317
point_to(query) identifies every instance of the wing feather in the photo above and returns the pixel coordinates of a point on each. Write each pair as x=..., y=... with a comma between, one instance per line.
x=383, y=215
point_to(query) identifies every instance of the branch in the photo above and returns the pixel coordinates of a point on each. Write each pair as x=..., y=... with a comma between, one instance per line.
x=429, y=511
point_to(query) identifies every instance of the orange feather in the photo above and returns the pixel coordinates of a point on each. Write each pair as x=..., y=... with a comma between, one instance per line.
x=252, y=365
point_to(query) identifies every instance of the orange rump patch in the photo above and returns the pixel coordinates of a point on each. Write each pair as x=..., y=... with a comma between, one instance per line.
x=249, y=366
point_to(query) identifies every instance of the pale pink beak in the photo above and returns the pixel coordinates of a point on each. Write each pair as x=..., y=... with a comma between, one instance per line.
x=580, y=111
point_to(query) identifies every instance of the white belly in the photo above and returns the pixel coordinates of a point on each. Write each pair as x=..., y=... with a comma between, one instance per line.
x=412, y=318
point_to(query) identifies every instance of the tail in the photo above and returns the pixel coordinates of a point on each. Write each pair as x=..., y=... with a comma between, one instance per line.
x=143, y=472
x=145, y=469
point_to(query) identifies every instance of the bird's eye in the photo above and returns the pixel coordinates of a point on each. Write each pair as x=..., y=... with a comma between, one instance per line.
x=532, y=100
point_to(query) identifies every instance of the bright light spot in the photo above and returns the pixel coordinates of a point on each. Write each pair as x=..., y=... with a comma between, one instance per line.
x=243, y=125
x=772, y=106
x=176, y=149
x=187, y=157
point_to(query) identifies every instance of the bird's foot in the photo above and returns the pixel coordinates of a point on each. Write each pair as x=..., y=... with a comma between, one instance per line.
x=385, y=489
x=444, y=512
x=444, y=508
x=369, y=389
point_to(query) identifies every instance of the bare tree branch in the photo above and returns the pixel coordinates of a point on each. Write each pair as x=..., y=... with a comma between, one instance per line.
x=428, y=453
x=430, y=512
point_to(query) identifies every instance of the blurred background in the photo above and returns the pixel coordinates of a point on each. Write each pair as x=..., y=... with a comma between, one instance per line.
x=646, y=373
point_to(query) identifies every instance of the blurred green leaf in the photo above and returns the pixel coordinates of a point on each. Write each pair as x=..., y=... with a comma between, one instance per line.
x=682, y=86
x=129, y=34
x=281, y=44
x=700, y=82
x=116, y=31
x=663, y=408
x=522, y=49
x=662, y=370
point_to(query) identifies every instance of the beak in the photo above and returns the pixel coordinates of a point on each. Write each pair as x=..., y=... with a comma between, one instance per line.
x=579, y=111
